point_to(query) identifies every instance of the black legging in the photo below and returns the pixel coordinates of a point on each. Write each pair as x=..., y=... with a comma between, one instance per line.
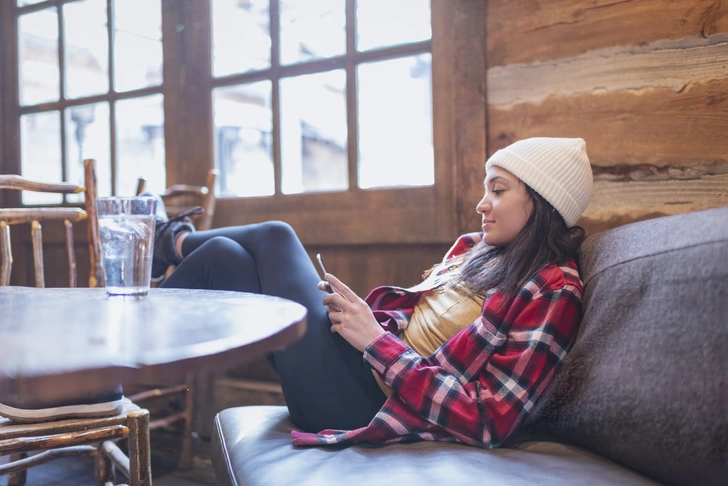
x=325, y=381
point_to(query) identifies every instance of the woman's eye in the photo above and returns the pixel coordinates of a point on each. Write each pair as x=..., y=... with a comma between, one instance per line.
x=498, y=192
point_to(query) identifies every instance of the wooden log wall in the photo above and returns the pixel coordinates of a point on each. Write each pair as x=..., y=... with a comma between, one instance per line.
x=644, y=83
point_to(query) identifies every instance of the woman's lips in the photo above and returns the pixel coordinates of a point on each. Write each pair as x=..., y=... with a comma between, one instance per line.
x=487, y=224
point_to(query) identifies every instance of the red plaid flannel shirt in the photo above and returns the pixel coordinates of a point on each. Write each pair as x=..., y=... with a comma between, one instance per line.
x=481, y=384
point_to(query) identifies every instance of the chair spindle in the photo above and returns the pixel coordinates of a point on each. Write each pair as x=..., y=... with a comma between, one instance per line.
x=71, y=254
x=7, y=256
x=37, y=236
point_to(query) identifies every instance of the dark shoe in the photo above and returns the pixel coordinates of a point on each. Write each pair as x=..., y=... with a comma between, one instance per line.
x=165, y=234
x=105, y=404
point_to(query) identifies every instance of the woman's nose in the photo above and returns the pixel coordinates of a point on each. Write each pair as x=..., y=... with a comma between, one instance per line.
x=483, y=206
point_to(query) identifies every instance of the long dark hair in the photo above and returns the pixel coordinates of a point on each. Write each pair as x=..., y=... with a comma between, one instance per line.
x=544, y=239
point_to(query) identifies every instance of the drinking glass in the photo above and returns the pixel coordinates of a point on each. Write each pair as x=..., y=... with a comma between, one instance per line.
x=126, y=225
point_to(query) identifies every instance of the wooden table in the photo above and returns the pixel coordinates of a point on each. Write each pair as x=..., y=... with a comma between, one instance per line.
x=64, y=342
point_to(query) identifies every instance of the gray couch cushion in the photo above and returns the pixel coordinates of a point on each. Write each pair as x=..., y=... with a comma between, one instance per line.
x=647, y=382
x=252, y=446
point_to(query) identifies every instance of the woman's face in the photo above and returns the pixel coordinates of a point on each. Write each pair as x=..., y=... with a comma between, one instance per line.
x=505, y=207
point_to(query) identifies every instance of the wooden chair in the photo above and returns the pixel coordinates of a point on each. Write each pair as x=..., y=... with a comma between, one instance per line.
x=160, y=398
x=181, y=197
x=60, y=438
x=67, y=216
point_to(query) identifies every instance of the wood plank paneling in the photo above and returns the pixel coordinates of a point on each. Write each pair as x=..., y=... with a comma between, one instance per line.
x=657, y=127
x=362, y=217
x=671, y=64
x=617, y=203
x=522, y=31
x=364, y=267
x=644, y=83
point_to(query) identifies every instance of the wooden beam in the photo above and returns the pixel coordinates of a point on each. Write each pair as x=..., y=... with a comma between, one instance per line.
x=673, y=64
x=188, y=130
x=655, y=126
x=618, y=203
x=459, y=109
x=10, y=133
x=524, y=31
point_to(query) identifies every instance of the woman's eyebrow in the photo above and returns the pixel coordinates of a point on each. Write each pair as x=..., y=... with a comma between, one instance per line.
x=494, y=178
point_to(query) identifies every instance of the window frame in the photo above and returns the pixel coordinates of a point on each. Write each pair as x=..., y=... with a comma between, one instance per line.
x=9, y=13
x=413, y=214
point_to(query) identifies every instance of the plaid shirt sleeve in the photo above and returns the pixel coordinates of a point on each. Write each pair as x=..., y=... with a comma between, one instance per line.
x=482, y=383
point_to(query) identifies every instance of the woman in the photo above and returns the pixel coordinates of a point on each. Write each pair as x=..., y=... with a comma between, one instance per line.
x=464, y=355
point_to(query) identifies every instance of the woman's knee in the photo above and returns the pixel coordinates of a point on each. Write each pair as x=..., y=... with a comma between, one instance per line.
x=221, y=248
x=277, y=231
x=218, y=243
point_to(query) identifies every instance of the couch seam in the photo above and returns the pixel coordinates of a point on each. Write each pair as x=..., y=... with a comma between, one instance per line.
x=225, y=451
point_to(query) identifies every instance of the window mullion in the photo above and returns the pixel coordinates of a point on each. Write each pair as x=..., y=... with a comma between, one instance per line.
x=62, y=88
x=351, y=103
x=275, y=58
x=110, y=31
x=111, y=27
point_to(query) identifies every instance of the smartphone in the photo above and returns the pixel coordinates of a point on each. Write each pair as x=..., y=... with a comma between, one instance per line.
x=320, y=260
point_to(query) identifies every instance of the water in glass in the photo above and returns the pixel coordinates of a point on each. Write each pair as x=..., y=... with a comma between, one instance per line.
x=126, y=242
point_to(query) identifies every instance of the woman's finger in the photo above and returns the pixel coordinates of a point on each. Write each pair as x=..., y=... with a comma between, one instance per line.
x=341, y=288
x=336, y=300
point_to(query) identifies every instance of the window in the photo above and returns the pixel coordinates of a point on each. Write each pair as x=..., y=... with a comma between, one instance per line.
x=331, y=94
x=324, y=113
x=89, y=78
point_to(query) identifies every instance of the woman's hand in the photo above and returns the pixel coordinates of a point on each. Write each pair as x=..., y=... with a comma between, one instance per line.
x=350, y=316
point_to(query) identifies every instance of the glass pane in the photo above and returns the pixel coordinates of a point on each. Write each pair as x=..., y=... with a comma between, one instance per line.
x=87, y=137
x=40, y=153
x=313, y=133
x=382, y=23
x=38, y=72
x=240, y=36
x=243, y=139
x=87, y=48
x=395, y=123
x=28, y=2
x=312, y=29
x=140, y=144
x=137, y=44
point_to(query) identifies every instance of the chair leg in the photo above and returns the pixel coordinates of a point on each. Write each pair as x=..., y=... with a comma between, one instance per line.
x=17, y=478
x=185, y=457
x=103, y=469
x=140, y=465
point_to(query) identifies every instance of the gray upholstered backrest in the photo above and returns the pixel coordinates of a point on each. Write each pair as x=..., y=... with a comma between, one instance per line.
x=646, y=383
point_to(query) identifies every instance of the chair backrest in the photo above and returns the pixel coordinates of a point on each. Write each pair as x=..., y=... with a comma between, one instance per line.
x=181, y=197
x=66, y=215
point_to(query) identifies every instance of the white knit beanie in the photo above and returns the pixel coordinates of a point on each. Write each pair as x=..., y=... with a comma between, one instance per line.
x=556, y=168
